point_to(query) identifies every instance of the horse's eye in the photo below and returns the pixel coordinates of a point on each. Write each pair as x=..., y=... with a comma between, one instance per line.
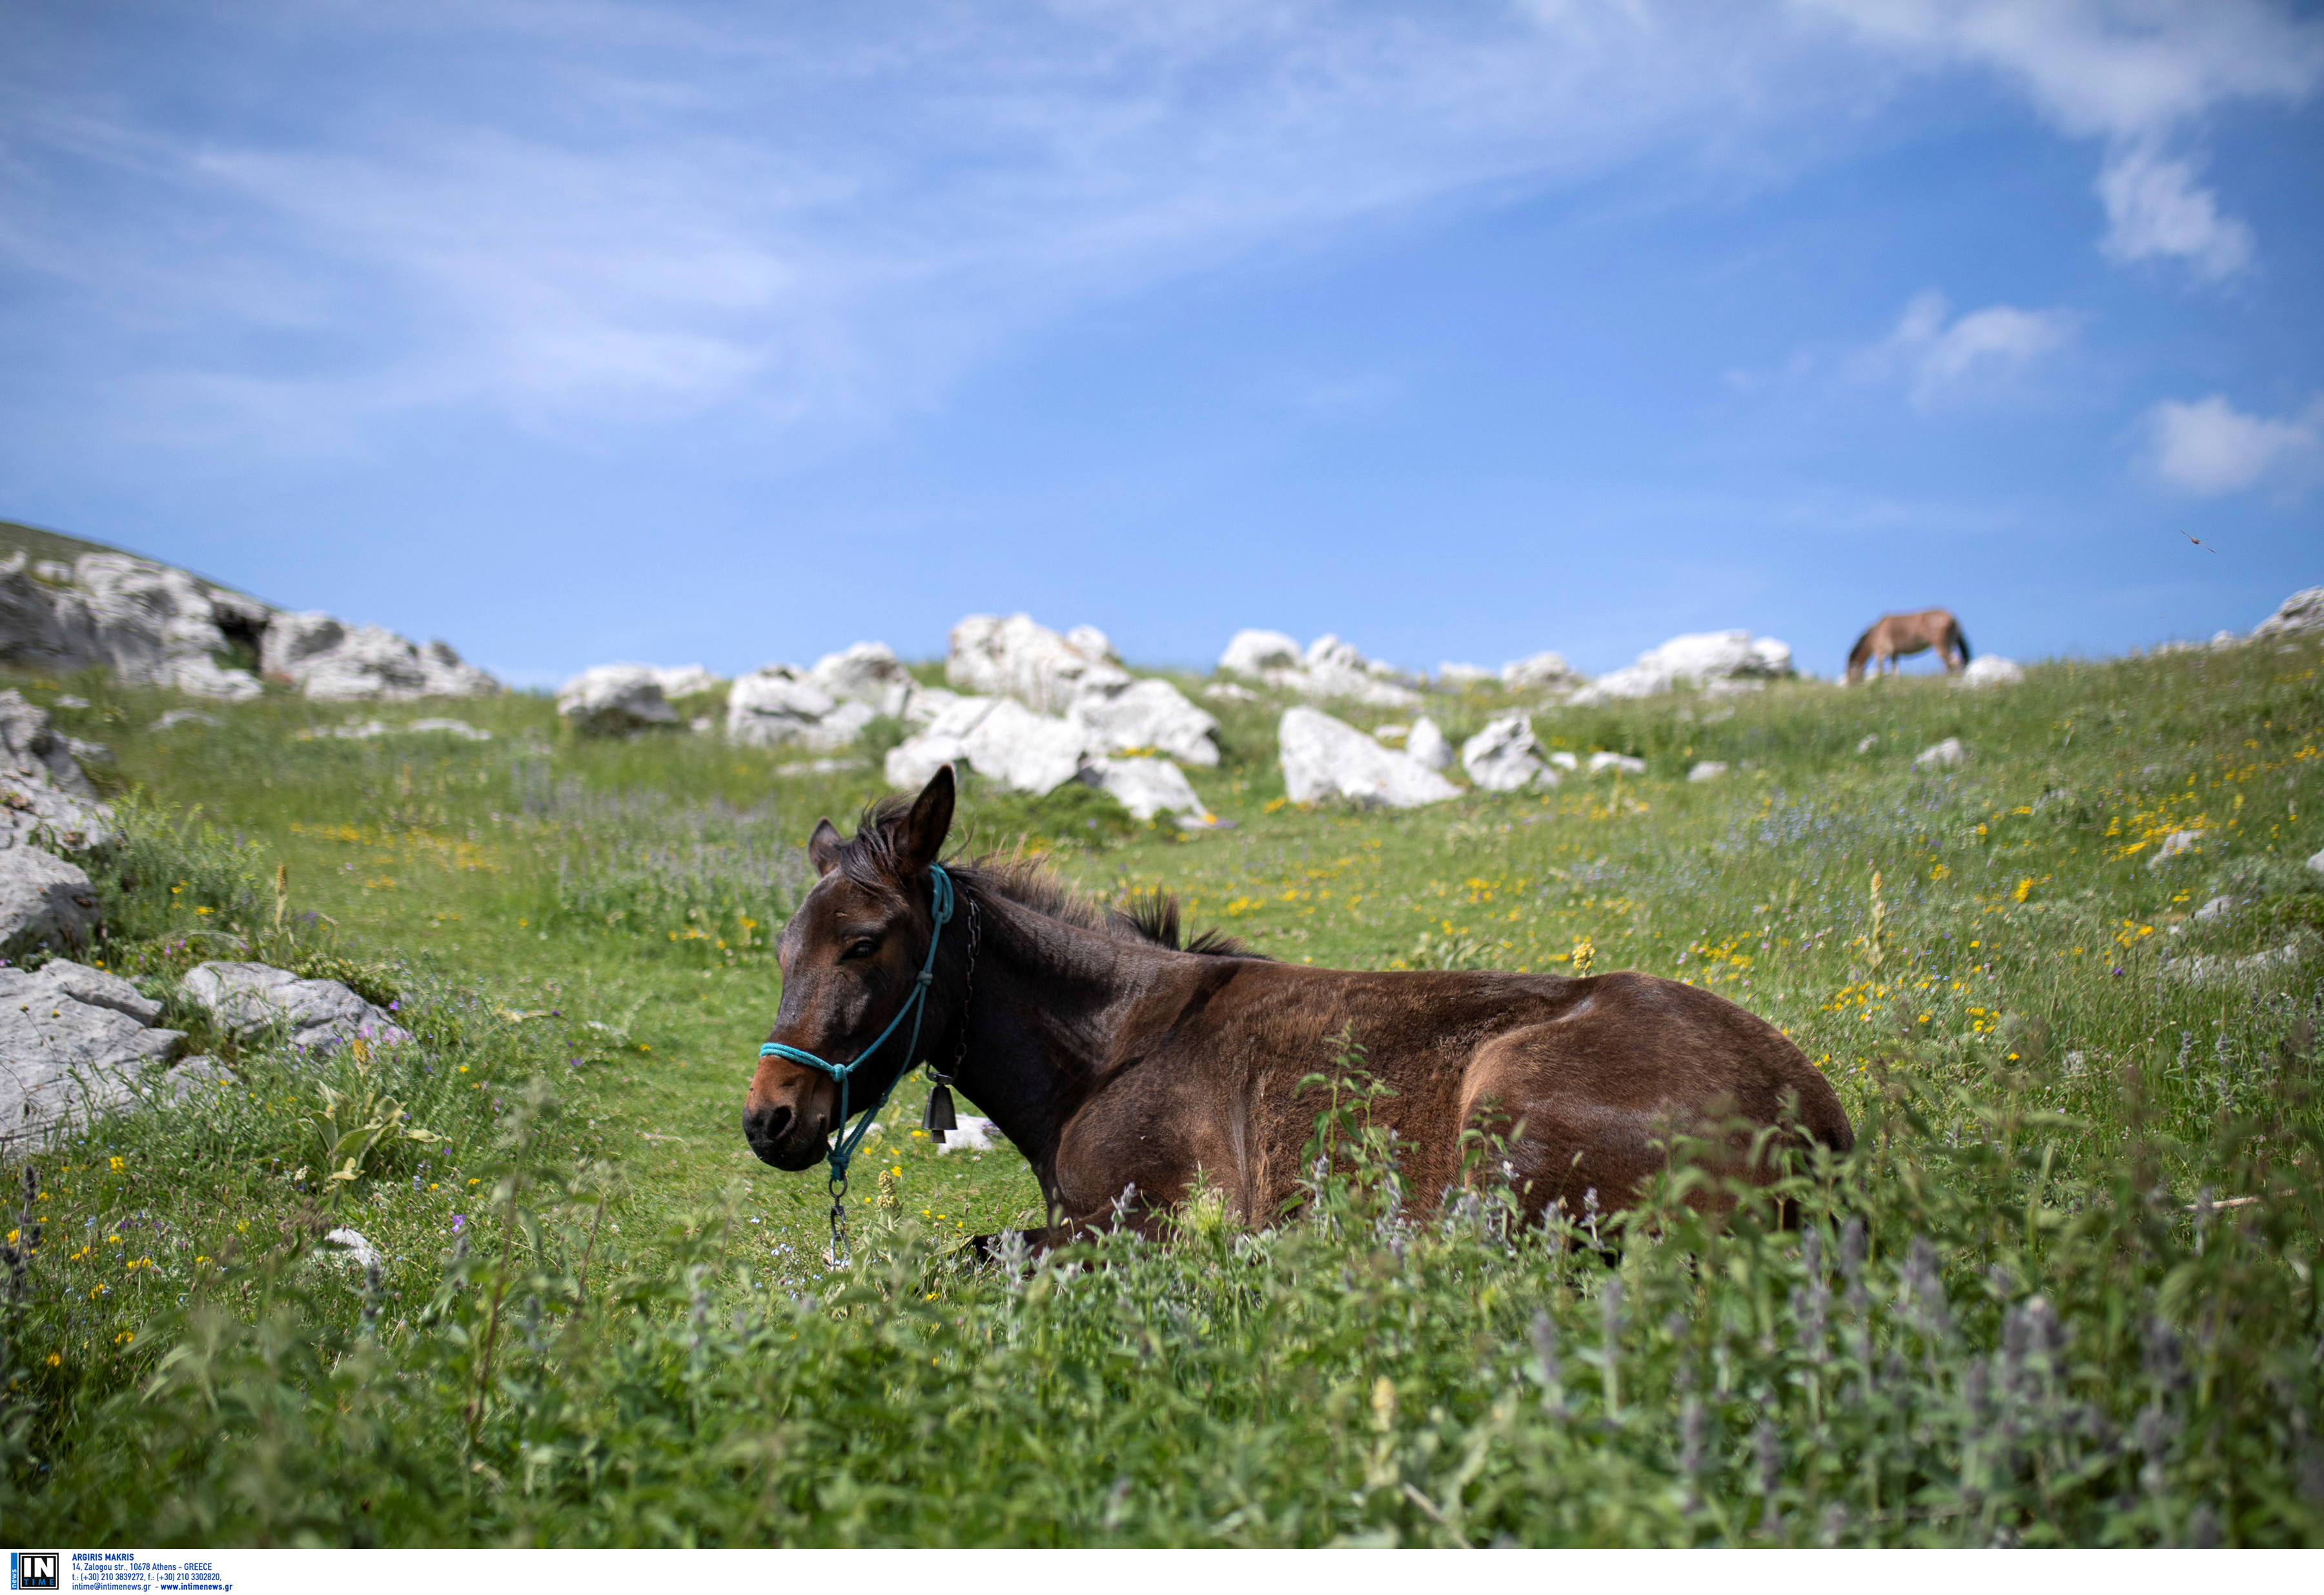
x=863, y=947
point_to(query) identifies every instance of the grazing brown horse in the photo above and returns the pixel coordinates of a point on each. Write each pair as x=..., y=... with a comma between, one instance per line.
x=1113, y=1057
x=1892, y=636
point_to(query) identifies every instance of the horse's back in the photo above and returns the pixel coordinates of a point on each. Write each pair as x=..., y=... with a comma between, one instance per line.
x=1601, y=1070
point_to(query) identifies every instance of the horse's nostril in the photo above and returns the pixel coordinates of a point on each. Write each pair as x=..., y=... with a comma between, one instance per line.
x=767, y=1124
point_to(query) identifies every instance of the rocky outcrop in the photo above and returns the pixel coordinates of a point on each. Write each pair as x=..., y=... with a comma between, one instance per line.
x=1428, y=745
x=73, y=1041
x=614, y=700
x=1941, y=755
x=865, y=673
x=1000, y=739
x=155, y=625
x=1149, y=787
x=1260, y=654
x=1142, y=716
x=1324, y=758
x=45, y=901
x=1990, y=669
x=326, y=658
x=1505, y=758
x=45, y=800
x=148, y=623
x=782, y=705
x=2303, y=611
x=1328, y=668
x=1016, y=657
x=251, y=1000
x=1714, y=661
x=1540, y=670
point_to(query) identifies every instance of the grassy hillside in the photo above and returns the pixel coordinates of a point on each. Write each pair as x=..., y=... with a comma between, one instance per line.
x=41, y=544
x=600, y=1319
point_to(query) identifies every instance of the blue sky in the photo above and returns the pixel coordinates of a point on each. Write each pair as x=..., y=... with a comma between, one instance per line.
x=580, y=331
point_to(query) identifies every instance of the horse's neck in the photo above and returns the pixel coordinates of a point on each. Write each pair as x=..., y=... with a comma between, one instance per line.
x=1045, y=1004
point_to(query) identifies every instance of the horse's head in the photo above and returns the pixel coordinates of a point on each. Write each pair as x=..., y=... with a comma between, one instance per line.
x=851, y=957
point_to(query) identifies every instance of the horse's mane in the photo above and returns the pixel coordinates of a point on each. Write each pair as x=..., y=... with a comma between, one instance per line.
x=1863, y=649
x=873, y=858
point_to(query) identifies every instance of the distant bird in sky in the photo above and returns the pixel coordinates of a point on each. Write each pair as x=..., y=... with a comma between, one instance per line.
x=2199, y=542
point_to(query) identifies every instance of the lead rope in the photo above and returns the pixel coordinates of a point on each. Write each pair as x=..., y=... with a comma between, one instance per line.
x=842, y=1148
x=938, y=1117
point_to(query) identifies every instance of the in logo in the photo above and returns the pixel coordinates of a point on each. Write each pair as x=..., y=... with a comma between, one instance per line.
x=33, y=1570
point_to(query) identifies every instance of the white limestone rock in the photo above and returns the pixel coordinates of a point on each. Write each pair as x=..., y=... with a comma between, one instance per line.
x=864, y=673
x=1019, y=659
x=2225, y=969
x=174, y=718
x=1230, y=692
x=1943, y=754
x=782, y=705
x=149, y=623
x=73, y=1041
x=313, y=1015
x=45, y=799
x=2174, y=845
x=919, y=706
x=1990, y=669
x=1328, y=668
x=1000, y=739
x=680, y=681
x=614, y=700
x=44, y=900
x=1259, y=654
x=1460, y=676
x=1537, y=670
x=1504, y=758
x=1698, y=659
x=2303, y=611
x=1620, y=763
x=201, y=1073
x=1148, y=714
x=326, y=658
x=1147, y=787
x=1708, y=769
x=1428, y=745
x=1323, y=757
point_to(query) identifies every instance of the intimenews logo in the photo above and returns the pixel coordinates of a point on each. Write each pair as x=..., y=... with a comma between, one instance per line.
x=33, y=1570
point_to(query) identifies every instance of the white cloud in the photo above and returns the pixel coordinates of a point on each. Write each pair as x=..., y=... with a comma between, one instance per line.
x=622, y=212
x=2134, y=73
x=2209, y=446
x=1940, y=355
x=2154, y=208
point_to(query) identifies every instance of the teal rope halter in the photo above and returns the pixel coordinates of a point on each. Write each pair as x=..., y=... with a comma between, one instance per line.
x=842, y=1149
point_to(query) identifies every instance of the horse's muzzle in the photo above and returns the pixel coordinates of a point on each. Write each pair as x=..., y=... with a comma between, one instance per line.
x=780, y=1136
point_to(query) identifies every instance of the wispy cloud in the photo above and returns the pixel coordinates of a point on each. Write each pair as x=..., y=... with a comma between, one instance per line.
x=575, y=213
x=2138, y=75
x=2207, y=447
x=2154, y=209
x=1938, y=355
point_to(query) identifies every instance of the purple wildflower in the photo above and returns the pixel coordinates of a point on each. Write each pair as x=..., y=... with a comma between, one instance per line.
x=458, y=1221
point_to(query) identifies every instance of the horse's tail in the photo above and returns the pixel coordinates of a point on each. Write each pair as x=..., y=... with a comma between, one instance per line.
x=1960, y=641
x=1860, y=652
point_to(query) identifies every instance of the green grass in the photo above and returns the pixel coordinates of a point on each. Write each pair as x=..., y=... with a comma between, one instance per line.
x=630, y=1335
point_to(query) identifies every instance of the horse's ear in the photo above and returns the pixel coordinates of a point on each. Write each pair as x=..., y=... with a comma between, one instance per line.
x=823, y=847
x=925, y=826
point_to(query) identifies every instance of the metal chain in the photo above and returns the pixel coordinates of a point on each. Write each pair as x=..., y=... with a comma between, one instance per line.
x=838, y=1220
x=967, y=991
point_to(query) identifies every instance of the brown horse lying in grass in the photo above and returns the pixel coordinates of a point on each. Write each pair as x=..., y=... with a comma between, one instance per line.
x=1113, y=1058
x=1892, y=636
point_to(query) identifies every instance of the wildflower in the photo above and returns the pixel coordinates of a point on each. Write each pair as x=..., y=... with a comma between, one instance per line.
x=459, y=1222
x=117, y=1164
